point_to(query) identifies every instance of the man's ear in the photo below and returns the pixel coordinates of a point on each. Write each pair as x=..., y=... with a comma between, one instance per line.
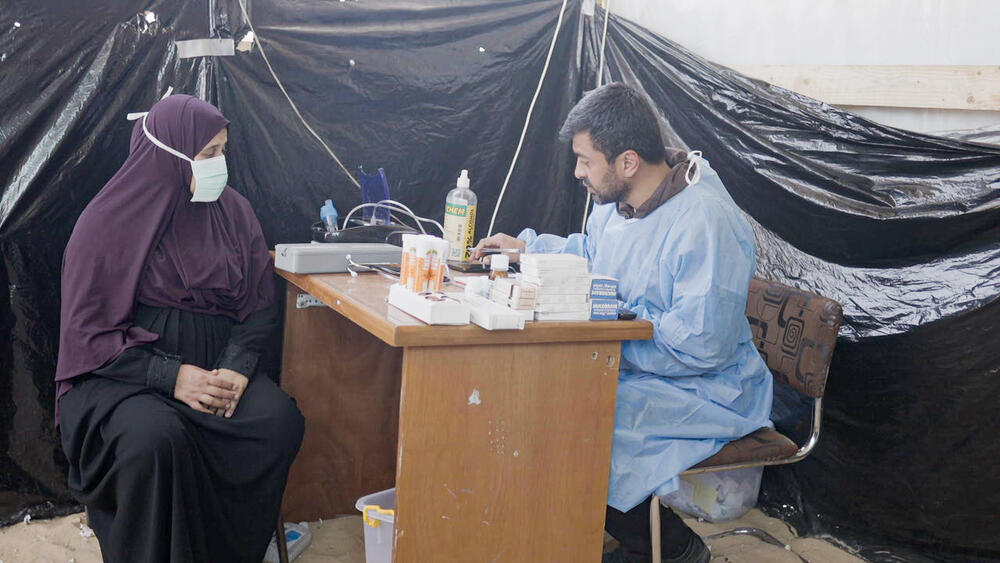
x=628, y=163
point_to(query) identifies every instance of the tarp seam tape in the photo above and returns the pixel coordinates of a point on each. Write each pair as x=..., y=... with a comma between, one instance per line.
x=205, y=48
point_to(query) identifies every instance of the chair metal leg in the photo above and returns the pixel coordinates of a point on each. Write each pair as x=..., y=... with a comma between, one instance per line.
x=757, y=533
x=279, y=535
x=654, y=527
x=748, y=531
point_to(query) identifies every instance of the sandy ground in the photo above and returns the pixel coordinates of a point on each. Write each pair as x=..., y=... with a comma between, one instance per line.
x=69, y=540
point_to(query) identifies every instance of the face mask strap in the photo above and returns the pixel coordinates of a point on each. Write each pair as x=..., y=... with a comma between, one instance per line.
x=160, y=144
x=693, y=173
x=154, y=140
x=206, y=162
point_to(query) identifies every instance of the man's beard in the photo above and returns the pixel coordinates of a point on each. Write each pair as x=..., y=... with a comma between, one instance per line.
x=614, y=191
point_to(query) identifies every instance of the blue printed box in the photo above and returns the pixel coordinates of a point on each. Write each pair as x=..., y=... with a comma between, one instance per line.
x=603, y=288
x=603, y=309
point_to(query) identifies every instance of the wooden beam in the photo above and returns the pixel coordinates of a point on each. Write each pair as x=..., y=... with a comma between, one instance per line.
x=928, y=86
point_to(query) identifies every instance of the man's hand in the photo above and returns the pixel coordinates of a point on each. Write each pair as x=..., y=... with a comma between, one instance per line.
x=500, y=240
x=238, y=383
x=203, y=390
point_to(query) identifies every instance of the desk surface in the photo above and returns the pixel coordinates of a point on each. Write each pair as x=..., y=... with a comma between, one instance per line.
x=363, y=300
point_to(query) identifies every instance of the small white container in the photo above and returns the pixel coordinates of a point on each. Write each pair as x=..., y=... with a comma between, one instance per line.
x=297, y=539
x=409, y=253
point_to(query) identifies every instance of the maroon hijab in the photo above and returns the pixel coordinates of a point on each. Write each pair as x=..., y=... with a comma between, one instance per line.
x=141, y=240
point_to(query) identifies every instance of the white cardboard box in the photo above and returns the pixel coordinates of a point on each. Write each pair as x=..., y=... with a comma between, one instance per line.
x=432, y=308
x=492, y=316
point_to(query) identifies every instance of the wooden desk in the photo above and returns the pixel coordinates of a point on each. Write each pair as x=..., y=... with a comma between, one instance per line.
x=499, y=443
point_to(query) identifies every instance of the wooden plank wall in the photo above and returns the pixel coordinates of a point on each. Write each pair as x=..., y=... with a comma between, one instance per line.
x=963, y=87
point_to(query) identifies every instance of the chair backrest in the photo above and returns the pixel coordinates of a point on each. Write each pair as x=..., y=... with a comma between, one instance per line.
x=795, y=332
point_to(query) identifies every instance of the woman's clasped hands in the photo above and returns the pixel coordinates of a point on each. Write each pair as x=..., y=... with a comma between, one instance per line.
x=215, y=392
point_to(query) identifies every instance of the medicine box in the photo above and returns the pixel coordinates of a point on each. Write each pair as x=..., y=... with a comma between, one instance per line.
x=513, y=294
x=603, y=309
x=492, y=316
x=556, y=299
x=602, y=287
x=563, y=317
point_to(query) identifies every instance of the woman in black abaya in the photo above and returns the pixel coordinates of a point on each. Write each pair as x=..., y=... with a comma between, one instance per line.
x=177, y=447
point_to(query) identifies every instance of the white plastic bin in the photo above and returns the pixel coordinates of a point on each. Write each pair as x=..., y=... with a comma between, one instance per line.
x=719, y=496
x=379, y=512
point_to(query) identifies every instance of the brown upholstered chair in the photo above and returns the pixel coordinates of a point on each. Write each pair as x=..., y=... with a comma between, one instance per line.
x=795, y=332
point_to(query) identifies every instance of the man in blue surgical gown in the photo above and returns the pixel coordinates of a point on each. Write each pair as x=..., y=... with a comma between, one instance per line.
x=666, y=228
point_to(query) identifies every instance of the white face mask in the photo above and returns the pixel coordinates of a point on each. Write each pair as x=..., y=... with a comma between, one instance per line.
x=210, y=174
x=210, y=177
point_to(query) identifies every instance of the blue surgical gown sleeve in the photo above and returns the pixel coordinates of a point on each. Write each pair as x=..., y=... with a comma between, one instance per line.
x=698, y=308
x=575, y=243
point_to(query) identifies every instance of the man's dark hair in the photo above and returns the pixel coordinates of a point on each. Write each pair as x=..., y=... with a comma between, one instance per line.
x=618, y=118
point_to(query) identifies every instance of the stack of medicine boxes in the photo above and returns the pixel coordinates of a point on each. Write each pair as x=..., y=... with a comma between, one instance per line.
x=566, y=290
x=515, y=295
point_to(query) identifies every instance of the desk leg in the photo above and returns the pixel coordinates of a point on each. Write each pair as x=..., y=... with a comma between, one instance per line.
x=346, y=383
x=504, y=452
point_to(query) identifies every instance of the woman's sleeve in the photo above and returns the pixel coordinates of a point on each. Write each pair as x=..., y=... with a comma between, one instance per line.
x=246, y=342
x=144, y=365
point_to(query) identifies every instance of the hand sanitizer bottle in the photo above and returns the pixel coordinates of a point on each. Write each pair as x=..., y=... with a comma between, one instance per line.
x=460, y=219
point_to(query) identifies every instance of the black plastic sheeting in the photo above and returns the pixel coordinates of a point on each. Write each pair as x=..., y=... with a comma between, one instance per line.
x=903, y=229
x=421, y=89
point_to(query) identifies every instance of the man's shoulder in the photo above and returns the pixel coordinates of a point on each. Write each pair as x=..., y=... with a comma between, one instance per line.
x=703, y=210
x=703, y=201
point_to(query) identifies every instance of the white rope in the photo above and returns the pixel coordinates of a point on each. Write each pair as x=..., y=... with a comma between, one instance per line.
x=604, y=41
x=600, y=81
x=260, y=47
x=527, y=120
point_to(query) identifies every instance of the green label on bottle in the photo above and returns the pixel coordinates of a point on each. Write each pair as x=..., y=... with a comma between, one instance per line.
x=459, y=229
